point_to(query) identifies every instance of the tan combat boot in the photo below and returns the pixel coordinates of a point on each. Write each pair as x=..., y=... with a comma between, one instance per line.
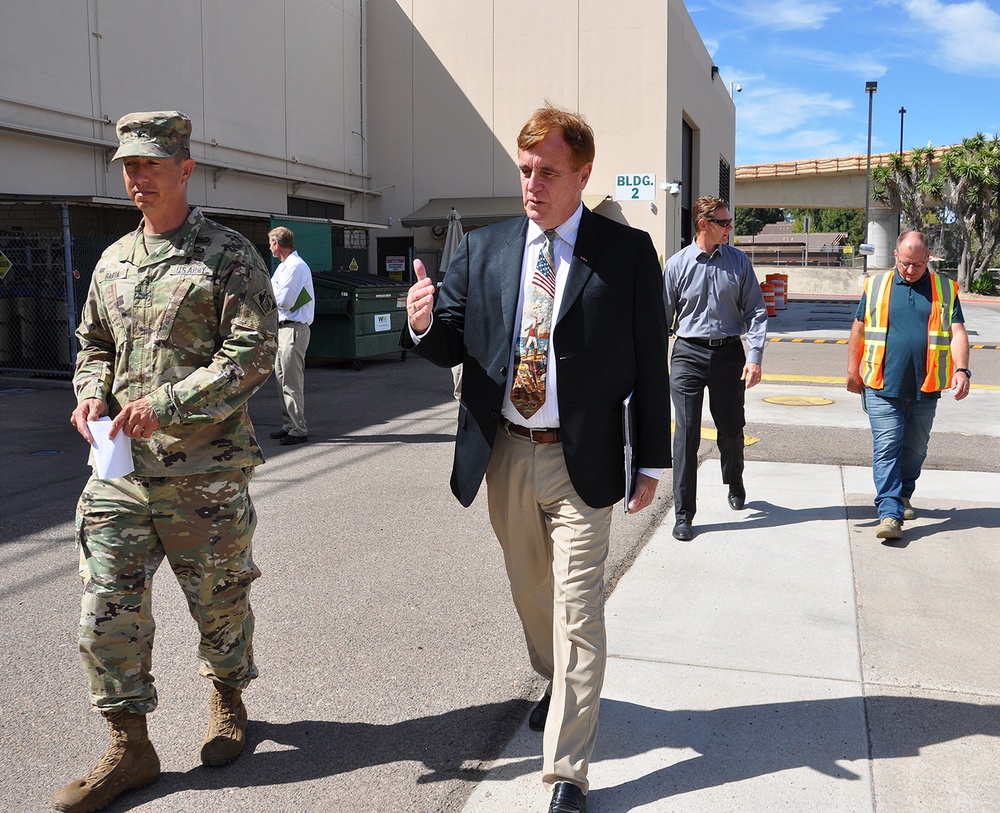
x=227, y=726
x=130, y=762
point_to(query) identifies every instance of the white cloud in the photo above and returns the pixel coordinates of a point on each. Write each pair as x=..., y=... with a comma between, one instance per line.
x=798, y=145
x=785, y=15
x=771, y=110
x=864, y=65
x=961, y=37
x=776, y=123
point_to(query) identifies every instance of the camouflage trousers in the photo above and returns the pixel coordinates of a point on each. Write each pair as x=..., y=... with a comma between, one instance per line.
x=204, y=525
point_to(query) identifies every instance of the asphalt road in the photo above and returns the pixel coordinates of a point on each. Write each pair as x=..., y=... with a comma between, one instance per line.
x=392, y=664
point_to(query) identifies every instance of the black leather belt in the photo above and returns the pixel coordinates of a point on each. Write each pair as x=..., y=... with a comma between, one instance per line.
x=284, y=322
x=711, y=342
x=534, y=435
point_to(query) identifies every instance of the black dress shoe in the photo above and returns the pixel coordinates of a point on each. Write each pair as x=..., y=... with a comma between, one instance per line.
x=736, y=501
x=567, y=798
x=539, y=714
x=291, y=440
x=682, y=530
x=279, y=434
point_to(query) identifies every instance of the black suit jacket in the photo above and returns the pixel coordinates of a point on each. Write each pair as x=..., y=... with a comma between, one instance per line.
x=610, y=338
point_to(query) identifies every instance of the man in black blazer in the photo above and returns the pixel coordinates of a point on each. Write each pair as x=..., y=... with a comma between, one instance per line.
x=555, y=469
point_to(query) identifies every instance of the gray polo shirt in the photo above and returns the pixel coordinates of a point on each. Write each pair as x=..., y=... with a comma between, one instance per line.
x=715, y=296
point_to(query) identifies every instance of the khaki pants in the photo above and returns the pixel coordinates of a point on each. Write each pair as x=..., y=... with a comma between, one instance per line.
x=554, y=548
x=289, y=372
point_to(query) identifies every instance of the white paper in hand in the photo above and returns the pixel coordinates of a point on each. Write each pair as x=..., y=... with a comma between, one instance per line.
x=112, y=458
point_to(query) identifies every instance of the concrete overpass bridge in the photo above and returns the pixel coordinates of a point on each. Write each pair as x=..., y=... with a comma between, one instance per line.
x=821, y=183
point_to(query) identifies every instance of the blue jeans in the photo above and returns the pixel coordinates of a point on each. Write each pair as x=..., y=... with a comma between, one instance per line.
x=901, y=429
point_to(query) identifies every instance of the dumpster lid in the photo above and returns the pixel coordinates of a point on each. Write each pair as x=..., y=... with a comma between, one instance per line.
x=351, y=279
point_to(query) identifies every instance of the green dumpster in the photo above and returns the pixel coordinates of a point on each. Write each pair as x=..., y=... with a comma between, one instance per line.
x=357, y=316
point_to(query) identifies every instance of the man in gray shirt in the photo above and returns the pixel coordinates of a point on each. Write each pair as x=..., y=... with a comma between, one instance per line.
x=712, y=297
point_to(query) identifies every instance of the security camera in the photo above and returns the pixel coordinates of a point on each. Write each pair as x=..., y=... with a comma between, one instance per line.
x=674, y=189
x=738, y=88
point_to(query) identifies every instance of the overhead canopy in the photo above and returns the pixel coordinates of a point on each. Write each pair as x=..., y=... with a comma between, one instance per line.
x=477, y=211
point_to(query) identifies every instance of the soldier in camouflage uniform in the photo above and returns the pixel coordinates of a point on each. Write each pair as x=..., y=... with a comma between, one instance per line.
x=178, y=331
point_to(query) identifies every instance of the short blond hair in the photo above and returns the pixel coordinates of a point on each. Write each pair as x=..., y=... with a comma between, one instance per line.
x=282, y=236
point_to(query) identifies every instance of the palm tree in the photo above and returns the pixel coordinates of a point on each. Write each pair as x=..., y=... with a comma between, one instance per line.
x=972, y=193
x=965, y=185
x=910, y=184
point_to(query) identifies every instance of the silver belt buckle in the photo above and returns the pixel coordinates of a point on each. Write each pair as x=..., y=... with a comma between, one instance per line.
x=716, y=342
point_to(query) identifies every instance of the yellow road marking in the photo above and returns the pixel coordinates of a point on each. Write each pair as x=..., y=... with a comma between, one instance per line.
x=798, y=400
x=711, y=434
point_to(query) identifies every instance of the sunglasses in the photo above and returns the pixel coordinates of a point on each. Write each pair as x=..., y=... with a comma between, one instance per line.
x=724, y=223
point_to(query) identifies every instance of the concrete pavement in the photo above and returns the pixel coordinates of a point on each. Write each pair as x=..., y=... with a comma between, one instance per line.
x=785, y=658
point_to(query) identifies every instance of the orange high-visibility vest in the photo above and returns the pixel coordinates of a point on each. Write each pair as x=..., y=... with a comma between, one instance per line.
x=878, y=289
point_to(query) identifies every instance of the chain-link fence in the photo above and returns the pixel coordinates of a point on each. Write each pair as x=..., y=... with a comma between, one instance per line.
x=40, y=302
x=37, y=305
x=770, y=254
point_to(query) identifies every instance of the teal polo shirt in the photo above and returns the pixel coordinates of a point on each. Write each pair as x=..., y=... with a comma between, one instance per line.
x=906, y=339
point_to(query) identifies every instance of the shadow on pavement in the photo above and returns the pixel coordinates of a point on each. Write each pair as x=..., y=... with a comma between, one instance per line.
x=731, y=745
x=741, y=742
x=929, y=521
x=451, y=746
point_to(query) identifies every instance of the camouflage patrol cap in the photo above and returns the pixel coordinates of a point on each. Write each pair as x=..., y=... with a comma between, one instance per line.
x=153, y=135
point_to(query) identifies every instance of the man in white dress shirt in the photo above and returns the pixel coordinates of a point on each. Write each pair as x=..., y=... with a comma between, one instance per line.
x=293, y=290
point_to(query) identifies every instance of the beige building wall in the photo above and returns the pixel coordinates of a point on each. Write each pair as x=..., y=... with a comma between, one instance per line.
x=274, y=88
x=452, y=83
x=345, y=100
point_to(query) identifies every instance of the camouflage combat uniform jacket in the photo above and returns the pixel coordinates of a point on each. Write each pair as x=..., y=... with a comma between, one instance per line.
x=194, y=330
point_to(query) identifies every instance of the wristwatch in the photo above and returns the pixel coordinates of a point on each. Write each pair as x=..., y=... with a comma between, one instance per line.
x=965, y=370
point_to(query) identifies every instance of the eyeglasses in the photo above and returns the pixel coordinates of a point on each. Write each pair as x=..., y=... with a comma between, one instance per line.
x=727, y=223
x=908, y=264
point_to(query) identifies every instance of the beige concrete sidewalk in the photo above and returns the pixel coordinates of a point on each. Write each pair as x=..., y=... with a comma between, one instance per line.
x=786, y=659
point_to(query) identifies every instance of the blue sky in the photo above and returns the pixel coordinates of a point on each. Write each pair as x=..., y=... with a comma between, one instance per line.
x=803, y=65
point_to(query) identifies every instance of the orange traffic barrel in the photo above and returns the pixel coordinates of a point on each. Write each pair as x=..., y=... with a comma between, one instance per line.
x=768, y=289
x=779, y=293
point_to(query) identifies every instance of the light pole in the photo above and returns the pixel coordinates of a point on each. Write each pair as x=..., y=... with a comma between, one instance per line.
x=899, y=218
x=870, y=89
x=738, y=88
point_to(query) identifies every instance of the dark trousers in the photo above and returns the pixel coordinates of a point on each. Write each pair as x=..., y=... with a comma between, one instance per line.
x=693, y=367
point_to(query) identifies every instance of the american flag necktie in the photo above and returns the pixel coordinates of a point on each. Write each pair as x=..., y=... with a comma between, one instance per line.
x=527, y=393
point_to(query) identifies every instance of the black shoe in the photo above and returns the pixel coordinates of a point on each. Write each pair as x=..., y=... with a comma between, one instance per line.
x=291, y=440
x=736, y=501
x=567, y=798
x=539, y=714
x=279, y=434
x=682, y=530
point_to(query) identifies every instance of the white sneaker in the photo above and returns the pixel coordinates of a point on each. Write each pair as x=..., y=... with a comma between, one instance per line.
x=908, y=512
x=889, y=528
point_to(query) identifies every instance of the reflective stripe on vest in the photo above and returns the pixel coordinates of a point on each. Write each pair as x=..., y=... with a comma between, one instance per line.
x=939, y=362
x=877, y=292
